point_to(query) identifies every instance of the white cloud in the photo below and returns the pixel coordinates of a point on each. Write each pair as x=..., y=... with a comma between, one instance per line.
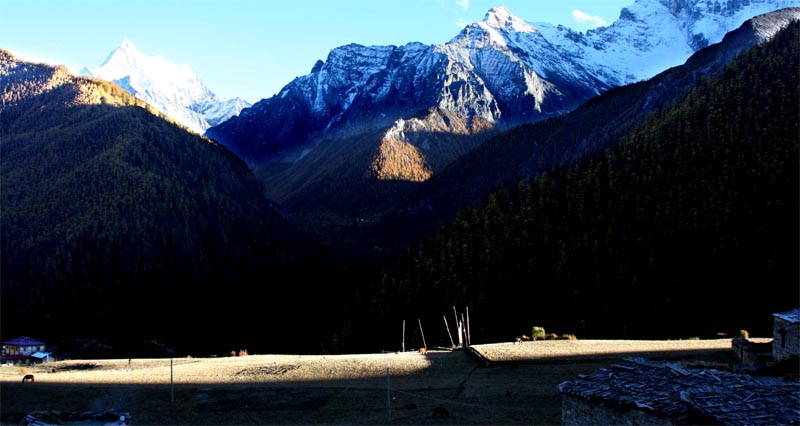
x=464, y=4
x=585, y=18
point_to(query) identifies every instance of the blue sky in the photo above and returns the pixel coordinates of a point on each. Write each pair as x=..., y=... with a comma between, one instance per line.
x=252, y=48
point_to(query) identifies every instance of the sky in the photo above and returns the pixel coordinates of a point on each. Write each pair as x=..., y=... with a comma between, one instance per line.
x=252, y=48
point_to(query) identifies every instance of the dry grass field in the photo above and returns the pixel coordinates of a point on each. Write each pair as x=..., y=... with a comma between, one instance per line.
x=518, y=386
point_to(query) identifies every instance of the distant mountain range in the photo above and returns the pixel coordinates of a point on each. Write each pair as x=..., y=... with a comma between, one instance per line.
x=369, y=124
x=501, y=71
x=535, y=148
x=173, y=89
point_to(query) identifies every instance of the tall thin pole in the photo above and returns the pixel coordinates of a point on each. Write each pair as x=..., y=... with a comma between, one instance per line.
x=458, y=326
x=425, y=345
x=388, y=397
x=171, y=383
x=469, y=336
x=455, y=314
x=452, y=344
x=404, y=335
x=464, y=329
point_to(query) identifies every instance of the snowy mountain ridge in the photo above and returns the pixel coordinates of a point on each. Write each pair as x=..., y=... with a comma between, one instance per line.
x=496, y=73
x=173, y=89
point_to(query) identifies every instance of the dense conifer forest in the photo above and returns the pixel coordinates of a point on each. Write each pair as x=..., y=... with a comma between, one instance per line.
x=688, y=227
x=117, y=222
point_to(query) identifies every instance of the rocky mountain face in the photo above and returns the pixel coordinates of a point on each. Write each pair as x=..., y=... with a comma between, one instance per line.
x=499, y=72
x=173, y=89
x=595, y=126
x=368, y=124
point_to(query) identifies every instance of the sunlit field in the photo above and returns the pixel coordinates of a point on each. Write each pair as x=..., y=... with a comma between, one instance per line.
x=500, y=383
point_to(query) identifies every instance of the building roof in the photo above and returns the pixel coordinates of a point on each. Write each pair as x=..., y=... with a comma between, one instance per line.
x=24, y=341
x=688, y=395
x=792, y=317
x=41, y=355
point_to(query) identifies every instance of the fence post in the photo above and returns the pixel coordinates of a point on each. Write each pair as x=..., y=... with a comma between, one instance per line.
x=388, y=397
x=171, y=383
x=425, y=345
x=404, y=335
x=452, y=345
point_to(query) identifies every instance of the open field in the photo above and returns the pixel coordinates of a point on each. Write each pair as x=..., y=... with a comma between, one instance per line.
x=519, y=386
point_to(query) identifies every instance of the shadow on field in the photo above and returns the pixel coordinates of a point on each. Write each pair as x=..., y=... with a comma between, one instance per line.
x=469, y=393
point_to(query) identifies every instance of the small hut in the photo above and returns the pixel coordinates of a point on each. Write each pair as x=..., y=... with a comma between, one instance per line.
x=786, y=334
x=640, y=391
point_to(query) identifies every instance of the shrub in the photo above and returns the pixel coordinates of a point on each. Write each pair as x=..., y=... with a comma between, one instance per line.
x=538, y=333
x=744, y=334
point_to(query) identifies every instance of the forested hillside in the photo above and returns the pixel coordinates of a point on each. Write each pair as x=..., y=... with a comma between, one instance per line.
x=688, y=227
x=118, y=222
x=532, y=149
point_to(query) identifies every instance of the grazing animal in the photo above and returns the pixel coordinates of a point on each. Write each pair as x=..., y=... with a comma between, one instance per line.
x=440, y=413
x=27, y=378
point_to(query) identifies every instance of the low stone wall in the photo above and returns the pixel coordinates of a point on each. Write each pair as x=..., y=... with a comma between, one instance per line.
x=577, y=411
x=749, y=352
x=786, y=337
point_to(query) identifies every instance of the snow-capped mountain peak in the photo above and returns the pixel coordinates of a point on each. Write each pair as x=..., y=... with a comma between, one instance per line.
x=173, y=89
x=500, y=17
x=496, y=73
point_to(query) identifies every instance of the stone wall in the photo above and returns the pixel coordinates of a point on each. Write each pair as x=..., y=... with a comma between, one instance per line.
x=578, y=411
x=748, y=352
x=786, y=339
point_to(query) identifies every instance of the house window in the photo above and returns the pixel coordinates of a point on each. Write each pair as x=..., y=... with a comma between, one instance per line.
x=782, y=332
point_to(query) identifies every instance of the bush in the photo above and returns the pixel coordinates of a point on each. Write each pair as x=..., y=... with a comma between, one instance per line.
x=538, y=333
x=744, y=334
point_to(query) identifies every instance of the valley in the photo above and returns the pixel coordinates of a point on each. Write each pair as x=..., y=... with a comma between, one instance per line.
x=634, y=181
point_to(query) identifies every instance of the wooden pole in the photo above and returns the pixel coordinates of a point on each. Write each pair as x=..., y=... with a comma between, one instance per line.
x=388, y=397
x=171, y=383
x=464, y=329
x=458, y=326
x=452, y=345
x=424, y=345
x=469, y=336
x=404, y=335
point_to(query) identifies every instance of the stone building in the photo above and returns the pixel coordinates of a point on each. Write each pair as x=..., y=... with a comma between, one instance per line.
x=786, y=334
x=640, y=391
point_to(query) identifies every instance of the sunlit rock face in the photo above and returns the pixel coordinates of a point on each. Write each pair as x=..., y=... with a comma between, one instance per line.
x=500, y=72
